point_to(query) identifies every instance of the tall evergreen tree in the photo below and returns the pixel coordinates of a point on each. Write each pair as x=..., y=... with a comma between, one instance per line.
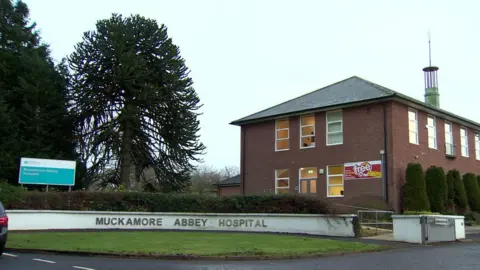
x=33, y=94
x=414, y=191
x=135, y=103
x=437, y=190
x=473, y=191
x=460, y=199
x=450, y=203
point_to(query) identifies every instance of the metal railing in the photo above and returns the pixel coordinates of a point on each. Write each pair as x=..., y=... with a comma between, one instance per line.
x=378, y=219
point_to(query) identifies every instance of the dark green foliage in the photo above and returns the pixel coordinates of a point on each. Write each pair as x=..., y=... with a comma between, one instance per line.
x=10, y=194
x=135, y=105
x=414, y=191
x=478, y=180
x=450, y=203
x=33, y=107
x=437, y=190
x=473, y=191
x=160, y=202
x=460, y=197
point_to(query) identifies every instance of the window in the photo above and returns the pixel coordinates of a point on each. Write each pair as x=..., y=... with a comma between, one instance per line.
x=308, y=180
x=334, y=128
x=307, y=131
x=477, y=145
x=413, y=126
x=282, y=135
x=450, y=150
x=432, y=132
x=335, y=181
x=282, y=181
x=464, y=141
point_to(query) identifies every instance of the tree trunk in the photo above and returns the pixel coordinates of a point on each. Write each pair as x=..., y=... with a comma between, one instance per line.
x=126, y=152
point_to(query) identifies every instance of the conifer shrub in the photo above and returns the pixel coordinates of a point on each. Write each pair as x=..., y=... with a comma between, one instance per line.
x=414, y=191
x=473, y=191
x=437, y=190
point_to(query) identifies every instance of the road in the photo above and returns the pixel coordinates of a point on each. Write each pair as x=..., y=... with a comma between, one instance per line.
x=451, y=256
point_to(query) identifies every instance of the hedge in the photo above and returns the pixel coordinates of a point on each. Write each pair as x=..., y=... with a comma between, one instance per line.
x=460, y=198
x=414, y=191
x=436, y=188
x=160, y=202
x=473, y=191
x=450, y=179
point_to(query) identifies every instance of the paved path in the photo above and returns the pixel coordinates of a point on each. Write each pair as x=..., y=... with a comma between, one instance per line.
x=450, y=256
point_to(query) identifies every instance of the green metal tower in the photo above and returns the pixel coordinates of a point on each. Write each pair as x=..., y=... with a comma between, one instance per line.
x=432, y=96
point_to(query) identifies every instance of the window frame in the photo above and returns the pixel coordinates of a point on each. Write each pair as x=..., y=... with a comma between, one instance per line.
x=466, y=146
x=477, y=145
x=281, y=178
x=282, y=139
x=310, y=135
x=335, y=185
x=307, y=179
x=434, y=129
x=417, y=142
x=452, y=143
x=332, y=122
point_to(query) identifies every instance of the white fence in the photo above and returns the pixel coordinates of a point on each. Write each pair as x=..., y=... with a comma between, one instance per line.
x=24, y=220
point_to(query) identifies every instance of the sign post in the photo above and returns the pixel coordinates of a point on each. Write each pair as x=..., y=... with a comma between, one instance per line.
x=47, y=172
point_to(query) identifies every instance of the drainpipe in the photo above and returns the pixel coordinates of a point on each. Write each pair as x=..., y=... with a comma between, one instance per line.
x=384, y=155
x=242, y=157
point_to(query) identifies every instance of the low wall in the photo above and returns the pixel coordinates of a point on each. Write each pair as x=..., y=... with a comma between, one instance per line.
x=24, y=220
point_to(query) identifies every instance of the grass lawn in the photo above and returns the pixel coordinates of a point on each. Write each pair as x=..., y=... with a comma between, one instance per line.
x=184, y=243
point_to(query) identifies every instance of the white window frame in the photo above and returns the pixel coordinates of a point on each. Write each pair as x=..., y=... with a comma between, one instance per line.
x=309, y=135
x=432, y=129
x=308, y=179
x=282, y=139
x=416, y=125
x=333, y=122
x=462, y=146
x=449, y=133
x=477, y=145
x=335, y=185
x=281, y=178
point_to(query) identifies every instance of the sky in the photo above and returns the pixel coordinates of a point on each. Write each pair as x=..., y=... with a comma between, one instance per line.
x=247, y=55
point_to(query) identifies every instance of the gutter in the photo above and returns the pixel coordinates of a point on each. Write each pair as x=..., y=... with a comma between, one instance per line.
x=385, y=154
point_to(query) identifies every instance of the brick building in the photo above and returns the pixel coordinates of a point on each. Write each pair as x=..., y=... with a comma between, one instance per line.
x=352, y=140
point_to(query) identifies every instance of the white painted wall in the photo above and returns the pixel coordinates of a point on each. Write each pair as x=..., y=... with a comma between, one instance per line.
x=407, y=228
x=281, y=223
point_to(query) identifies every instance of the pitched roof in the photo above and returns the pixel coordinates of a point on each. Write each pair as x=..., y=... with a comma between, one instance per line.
x=350, y=90
x=232, y=181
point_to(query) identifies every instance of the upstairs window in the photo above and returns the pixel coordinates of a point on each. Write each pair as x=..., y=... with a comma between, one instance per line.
x=334, y=128
x=307, y=131
x=464, y=141
x=413, y=126
x=477, y=145
x=282, y=181
x=432, y=132
x=449, y=148
x=282, y=135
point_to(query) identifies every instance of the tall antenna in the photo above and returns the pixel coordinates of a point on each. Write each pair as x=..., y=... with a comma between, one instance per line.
x=429, y=50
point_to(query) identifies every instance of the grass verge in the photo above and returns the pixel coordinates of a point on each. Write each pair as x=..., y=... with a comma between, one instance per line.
x=184, y=243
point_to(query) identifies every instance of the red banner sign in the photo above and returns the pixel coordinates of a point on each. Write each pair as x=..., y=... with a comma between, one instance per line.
x=362, y=170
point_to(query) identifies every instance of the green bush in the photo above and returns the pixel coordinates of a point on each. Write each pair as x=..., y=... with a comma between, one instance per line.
x=450, y=203
x=478, y=180
x=460, y=197
x=437, y=190
x=473, y=191
x=420, y=213
x=160, y=202
x=414, y=191
x=10, y=194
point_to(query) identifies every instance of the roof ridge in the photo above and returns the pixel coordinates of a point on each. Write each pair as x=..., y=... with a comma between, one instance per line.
x=319, y=89
x=379, y=87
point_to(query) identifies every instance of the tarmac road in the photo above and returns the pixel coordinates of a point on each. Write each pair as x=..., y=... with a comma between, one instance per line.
x=450, y=256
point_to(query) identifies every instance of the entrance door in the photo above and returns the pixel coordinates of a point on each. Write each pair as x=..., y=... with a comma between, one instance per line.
x=308, y=180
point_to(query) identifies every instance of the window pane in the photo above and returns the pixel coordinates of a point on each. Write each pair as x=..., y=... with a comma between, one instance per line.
x=335, y=180
x=313, y=186
x=283, y=173
x=310, y=172
x=448, y=138
x=308, y=142
x=282, y=134
x=412, y=126
x=335, y=138
x=308, y=120
x=335, y=127
x=310, y=130
x=413, y=137
x=303, y=187
x=463, y=132
x=431, y=121
x=464, y=151
x=282, y=144
x=282, y=183
x=463, y=141
x=335, y=169
x=412, y=115
x=334, y=116
x=335, y=191
x=431, y=142
x=282, y=123
x=282, y=190
x=448, y=127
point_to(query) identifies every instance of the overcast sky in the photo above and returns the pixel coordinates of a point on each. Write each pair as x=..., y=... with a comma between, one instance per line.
x=247, y=55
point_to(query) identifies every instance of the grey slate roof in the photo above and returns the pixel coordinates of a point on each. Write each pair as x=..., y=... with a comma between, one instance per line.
x=351, y=90
x=232, y=181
